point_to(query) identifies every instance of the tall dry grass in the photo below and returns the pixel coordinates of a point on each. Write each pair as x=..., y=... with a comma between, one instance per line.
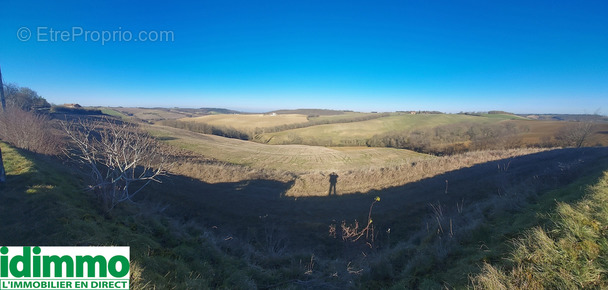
x=316, y=183
x=209, y=170
x=30, y=131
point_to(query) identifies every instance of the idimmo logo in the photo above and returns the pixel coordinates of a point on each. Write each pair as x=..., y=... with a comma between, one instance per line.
x=64, y=267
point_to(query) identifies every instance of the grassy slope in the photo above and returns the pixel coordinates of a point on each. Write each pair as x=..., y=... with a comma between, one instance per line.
x=28, y=187
x=285, y=157
x=114, y=113
x=43, y=203
x=492, y=242
x=338, y=133
x=503, y=117
x=343, y=116
x=158, y=114
x=46, y=205
x=567, y=252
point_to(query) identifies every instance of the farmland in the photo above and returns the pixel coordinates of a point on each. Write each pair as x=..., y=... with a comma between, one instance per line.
x=358, y=132
x=283, y=157
x=250, y=229
x=157, y=114
x=248, y=122
x=356, y=129
x=258, y=214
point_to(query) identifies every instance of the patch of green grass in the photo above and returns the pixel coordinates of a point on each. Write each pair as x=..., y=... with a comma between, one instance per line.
x=345, y=116
x=568, y=253
x=503, y=117
x=114, y=113
x=38, y=199
x=492, y=243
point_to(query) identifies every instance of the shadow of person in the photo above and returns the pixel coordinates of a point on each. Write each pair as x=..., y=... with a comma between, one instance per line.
x=333, y=180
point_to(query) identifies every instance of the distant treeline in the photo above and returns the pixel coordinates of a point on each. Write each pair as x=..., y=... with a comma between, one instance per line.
x=500, y=113
x=453, y=138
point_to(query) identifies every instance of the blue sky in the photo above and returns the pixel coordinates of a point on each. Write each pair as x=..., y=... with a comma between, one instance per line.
x=451, y=56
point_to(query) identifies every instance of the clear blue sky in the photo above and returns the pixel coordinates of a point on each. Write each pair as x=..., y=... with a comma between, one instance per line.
x=385, y=55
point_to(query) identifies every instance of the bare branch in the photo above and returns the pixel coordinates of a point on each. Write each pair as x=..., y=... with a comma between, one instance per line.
x=122, y=159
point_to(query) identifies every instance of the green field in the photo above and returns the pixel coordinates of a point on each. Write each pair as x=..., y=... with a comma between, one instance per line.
x=343, y=116
x=357, y=132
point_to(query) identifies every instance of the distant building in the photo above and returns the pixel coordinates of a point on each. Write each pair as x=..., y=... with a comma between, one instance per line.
x=75, y=106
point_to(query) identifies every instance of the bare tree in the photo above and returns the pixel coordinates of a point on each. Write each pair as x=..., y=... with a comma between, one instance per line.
x=122, y=159
x=575, y=134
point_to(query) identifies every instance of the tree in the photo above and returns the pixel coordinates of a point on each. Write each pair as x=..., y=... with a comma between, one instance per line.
x=575, y=134
x=122, y=160
x=24, y=98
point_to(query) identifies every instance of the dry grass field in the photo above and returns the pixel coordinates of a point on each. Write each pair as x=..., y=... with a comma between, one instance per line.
x=247, y=122
x=307, y=168
x=367, y=179
x=360, y=169
x=292, y=158
x=151, y=114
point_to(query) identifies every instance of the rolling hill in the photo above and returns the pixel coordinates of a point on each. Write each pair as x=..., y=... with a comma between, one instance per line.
x=357, y=133
x=248, y=122
x=293, y=158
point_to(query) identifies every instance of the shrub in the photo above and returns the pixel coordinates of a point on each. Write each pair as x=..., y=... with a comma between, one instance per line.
x=30, y=131
x=575, y=134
